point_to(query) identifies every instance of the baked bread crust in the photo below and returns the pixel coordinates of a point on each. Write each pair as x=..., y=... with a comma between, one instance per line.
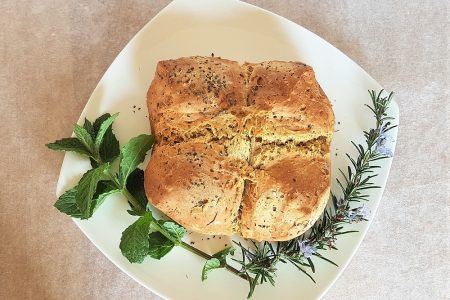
x=240, y=148
x=196, y=186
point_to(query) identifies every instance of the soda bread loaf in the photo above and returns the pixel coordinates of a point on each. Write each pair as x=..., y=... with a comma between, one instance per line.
x=239, y=148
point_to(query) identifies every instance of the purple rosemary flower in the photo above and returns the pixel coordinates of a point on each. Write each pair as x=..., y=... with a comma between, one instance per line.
x=357, y=214
x=351, y=216
x=363, y=212
x=381, y=143
x=305, y=249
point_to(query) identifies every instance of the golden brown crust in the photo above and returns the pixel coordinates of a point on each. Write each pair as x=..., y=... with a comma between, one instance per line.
x=288, y=103
x=188, y=93
x=195, y=185
x=285, y=198
x=264, y=126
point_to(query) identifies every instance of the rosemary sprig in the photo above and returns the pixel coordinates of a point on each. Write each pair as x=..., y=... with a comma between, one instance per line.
x=259, y=262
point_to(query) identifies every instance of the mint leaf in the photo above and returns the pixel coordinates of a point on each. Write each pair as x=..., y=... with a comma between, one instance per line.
x=87, y=187
x=103, y=128
x=67, y=204
x=133, y=153
x=98, y=122
x=216, y=262
x=69, y=144
x=109, y=147
x=159, y=245
x=222, y=254
x=135, y=185
x=103, y=187
x=210, y=265
x=94, y=140
x=101, y=198
x=134, y=243
x=174, y=230
x=84, y=137
x=89, y=128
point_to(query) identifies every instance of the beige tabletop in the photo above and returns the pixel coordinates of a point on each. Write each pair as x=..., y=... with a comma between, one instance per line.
x=53, y=53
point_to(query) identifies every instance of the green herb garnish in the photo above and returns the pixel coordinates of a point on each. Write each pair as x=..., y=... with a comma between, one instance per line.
x=98, y=142
x=148, y=236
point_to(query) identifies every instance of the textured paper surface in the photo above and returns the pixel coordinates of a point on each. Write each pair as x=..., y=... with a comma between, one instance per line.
x=53, y=53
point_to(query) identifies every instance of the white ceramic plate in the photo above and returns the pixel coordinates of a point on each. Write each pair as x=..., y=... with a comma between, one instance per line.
x=238, y=31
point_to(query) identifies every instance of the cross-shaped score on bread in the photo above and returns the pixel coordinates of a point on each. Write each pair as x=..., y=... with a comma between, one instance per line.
x=239, y=148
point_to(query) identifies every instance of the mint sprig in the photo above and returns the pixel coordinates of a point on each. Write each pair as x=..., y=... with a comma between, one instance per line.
x=150, y=237
x=98, y=142
x=95, y=140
